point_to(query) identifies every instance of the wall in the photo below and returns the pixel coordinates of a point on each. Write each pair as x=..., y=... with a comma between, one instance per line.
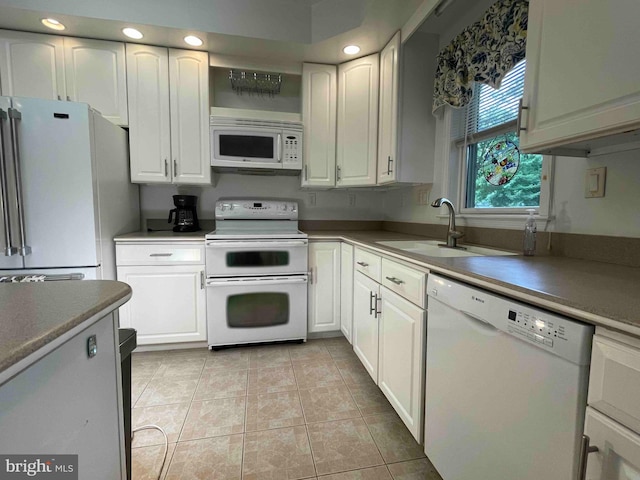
x=156, y=201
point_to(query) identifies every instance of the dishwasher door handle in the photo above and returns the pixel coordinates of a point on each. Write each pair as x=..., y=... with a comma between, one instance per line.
x=479, y=322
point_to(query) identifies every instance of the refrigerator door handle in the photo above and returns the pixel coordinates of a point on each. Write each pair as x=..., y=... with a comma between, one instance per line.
x=14, y=116
x=9, y=250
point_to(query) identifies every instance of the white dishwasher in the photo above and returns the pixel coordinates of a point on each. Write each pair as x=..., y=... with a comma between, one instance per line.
x=506, y=387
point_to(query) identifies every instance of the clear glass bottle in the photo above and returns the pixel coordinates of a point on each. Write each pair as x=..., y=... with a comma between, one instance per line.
x=530, y=229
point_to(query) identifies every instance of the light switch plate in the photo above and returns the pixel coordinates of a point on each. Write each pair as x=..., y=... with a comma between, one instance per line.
x=594, y=182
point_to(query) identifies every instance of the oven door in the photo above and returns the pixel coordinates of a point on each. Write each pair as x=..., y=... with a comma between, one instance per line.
x=256, y=309
x=226, y=258
x=243, y=147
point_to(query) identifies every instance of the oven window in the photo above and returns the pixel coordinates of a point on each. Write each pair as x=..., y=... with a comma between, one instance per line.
x=257, y=259
x=248, y=146
x=256, y=310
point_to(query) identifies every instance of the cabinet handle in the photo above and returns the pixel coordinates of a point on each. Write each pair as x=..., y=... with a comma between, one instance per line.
x=378, y=312
x=363, y=264
x=202, y=280
x=519, y=127
x=175, y=168
x=372, y=308
x=312, y=276
x=68, y=98
x=337, y=173
x=59, y=97
x=585, y=450
x=389, y=162
x=160, y=254
x=395, y=280
x=166, y=168
x=306, y=173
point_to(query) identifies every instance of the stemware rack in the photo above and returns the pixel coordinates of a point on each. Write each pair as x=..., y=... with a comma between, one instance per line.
x=255, y=82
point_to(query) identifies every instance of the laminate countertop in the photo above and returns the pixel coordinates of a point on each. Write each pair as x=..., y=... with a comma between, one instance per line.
x=599, y=293
x=33, y=315
x=161, y=236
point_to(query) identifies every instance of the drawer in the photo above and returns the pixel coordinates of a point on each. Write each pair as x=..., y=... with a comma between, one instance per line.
x=159, y=254
x=405, y=281
x=367, y=263
x=614, y=382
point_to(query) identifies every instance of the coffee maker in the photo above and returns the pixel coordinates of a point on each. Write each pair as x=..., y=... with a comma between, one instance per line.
x=184, y=215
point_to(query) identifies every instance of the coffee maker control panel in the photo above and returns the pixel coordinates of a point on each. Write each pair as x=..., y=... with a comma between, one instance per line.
x=245, y=209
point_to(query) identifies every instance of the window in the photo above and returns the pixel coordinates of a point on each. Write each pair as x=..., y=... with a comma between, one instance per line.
x=496, y=175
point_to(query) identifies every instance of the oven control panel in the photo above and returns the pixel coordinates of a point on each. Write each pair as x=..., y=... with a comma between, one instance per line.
x=245, y=209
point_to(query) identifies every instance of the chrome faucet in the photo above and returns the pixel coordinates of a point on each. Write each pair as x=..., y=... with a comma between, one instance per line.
x=452, y=234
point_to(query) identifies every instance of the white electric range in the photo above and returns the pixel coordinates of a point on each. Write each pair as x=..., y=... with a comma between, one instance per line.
x=257, y=273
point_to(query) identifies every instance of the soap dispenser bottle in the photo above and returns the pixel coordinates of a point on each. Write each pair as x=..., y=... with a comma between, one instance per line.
x=530, y=229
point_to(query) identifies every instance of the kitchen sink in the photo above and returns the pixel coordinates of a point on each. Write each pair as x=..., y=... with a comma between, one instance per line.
x=432, y=248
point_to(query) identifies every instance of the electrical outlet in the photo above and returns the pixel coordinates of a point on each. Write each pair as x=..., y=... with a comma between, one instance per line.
x=312, y=199
x=594, y=181
x=422, y=195
x=352, y=199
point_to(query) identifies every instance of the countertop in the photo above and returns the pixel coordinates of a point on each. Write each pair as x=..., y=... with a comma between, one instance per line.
x=598, y=293
x=161, y=236
x=35, y=314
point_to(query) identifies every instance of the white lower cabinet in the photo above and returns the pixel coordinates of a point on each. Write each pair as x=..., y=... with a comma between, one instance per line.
x=365, y=322
x=324, y=287
x=401, y=358
x=346, y=290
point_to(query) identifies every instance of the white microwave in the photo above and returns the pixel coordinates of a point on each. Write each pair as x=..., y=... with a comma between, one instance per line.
x=244, y=144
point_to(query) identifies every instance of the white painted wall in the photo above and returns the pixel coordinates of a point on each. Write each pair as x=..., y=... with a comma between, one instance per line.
x=156, y=201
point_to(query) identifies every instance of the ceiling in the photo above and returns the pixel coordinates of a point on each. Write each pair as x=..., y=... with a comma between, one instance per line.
x=280, y=30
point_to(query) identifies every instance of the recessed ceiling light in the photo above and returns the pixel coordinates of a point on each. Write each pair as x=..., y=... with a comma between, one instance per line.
x=351, y=49
x=132, y=33
x=193, y=40
x=52, y=23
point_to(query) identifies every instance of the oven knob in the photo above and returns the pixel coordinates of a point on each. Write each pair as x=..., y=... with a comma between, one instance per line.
x=284, y=207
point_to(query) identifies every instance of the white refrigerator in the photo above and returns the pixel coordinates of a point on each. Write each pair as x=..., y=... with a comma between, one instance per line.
x=64, y=190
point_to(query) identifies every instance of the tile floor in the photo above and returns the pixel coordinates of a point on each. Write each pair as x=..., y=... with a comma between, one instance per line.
x=280, y=412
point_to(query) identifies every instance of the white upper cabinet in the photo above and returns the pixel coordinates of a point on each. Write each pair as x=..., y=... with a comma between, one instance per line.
x=319, y=98
x=358, y=82
x=324, y=287
x=96, y=74
x=189, y=105
x=582, y=73
x=32, y=65
x=388, y=118
x=149, y=127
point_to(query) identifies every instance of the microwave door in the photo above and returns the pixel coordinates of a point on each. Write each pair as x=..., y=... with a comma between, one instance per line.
x=246, y=148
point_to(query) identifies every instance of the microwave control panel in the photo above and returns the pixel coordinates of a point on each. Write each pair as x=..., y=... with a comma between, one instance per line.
x=291, y=149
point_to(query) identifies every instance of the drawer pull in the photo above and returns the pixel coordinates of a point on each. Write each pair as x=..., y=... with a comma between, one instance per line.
x=585, y=450
x=161, y=254
x=395, y=280
x=363, y=264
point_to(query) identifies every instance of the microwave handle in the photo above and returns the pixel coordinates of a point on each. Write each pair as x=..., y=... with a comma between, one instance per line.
x=279, y=147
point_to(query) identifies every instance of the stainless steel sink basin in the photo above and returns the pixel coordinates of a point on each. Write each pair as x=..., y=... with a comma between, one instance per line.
x=431, y=248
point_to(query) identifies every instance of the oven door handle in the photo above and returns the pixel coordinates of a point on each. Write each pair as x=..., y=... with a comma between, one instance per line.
x=263, y=244
x=255, y=282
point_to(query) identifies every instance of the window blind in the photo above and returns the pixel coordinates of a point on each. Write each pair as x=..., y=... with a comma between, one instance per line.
x=491, y=111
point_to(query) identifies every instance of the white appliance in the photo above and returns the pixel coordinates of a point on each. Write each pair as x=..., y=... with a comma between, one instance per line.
x=506, y=387
x=257, y=266
x=258, y=146
x=65, y=191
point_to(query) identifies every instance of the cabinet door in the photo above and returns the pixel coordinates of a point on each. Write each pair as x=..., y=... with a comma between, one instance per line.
x=357, y=122
x=167, y=305
x=346, y=289
x=324, y=287
x=32, y=65
x=189, y=94
x=618, y=455
x=319, y=99
x=149, y=130
x=401, y=358
x=96, y=74
x=580, y=82
x=365, y=322
x=388, y=120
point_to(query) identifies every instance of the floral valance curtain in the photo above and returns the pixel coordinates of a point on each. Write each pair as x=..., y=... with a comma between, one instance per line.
x=484, y=52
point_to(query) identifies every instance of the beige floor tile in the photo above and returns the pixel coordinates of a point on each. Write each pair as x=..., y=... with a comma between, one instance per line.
x=273, y=410
x=179, y=366
x=200, y=352
x=328, y=403
x=395, y=442
x=280, y=454
x=311, y=351
x=214, y=418
x=166, y=390
x=375, y=473
x=146, y=461
x=414, y=470
x=217, y=458
x=317, y=374
x=369, y=398
x=343, y=445
x=232, y=359
x=340, y=340
x=353, y=372
x=137, y=387
x=142, y=367
x=271, y=380
x=272, y=356
x=168, y=417
x=222, y=384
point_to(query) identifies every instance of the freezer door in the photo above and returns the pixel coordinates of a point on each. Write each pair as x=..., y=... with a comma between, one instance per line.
x=55, y=159
x=9, y=258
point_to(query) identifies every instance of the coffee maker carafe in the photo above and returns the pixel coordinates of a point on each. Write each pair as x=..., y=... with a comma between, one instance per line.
x=184, y=215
